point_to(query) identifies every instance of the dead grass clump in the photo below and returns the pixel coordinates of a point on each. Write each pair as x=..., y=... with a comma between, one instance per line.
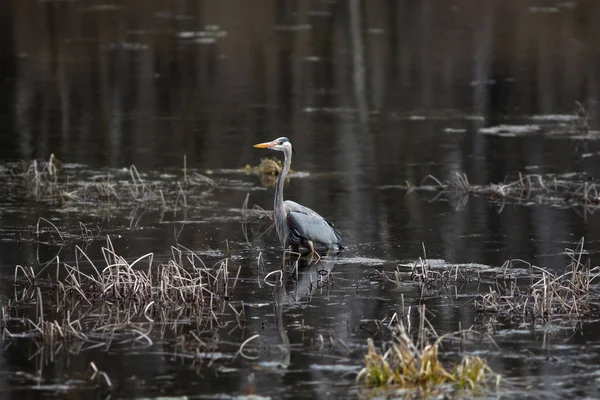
x=526, y=188
x=548, y=296
x=416, y=370
x=420, y=271
x=580, y=123
x=53, y=183
x=120, y=302
x=267, y=166
x=42, y=179
x=182, y=281
x=104, y=190
x=268, y=170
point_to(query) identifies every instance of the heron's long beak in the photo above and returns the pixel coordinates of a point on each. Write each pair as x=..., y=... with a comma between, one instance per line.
x=265, y=145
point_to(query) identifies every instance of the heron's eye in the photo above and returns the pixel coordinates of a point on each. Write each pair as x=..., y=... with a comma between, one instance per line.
x=280, y=142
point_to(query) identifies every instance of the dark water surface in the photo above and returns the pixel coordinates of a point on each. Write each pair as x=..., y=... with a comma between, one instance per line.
x=372, y=97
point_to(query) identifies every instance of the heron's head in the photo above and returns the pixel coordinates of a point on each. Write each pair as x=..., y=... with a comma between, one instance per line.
x=279, y=144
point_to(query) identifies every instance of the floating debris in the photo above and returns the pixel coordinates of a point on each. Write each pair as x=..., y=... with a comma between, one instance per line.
x=293, y=28
x=103, y=7
x=319, y=13
x=510, y=130
x=572, y=126
x=125, y=46
x=209, y=35
x=554, y=117
x=455, y=130
x=543, y=10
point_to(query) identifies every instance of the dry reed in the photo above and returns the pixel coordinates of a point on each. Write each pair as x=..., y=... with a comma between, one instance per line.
x=119, y=303
x=548, y=296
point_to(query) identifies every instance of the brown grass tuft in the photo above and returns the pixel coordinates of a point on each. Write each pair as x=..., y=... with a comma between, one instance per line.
x=414, y=369
x=548, y=296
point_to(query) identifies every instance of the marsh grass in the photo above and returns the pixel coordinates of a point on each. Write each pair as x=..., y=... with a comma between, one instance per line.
x=50, y=182
x=120, y=303
x=252, y=215
x=580, y=123
x=42, y=179
x=420, y=271
x=533, y=295
x=412, y=368
x=547, y=296
x=525, y=189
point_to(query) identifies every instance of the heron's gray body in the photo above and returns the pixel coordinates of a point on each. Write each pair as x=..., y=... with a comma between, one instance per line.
x=307, y=225
x=295, y=224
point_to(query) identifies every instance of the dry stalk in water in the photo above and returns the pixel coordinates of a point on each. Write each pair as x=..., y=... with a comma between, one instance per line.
x=549, y=296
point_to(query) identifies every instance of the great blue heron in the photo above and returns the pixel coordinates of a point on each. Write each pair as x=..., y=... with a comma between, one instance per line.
x=297, y=225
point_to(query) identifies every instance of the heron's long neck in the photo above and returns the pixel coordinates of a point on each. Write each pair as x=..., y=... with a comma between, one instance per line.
x=279, y=209
x=280, y=181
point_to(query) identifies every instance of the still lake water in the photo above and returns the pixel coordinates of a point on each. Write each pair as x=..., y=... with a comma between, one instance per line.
x=372, y=97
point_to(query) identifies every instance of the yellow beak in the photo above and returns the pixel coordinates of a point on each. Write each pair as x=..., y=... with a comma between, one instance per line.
x=265, y=145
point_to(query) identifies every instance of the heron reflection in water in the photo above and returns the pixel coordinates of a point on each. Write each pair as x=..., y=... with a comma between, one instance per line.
x=295, y=224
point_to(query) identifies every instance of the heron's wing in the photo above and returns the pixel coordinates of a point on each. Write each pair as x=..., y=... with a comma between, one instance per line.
x=306, y=224
x=292, y=206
